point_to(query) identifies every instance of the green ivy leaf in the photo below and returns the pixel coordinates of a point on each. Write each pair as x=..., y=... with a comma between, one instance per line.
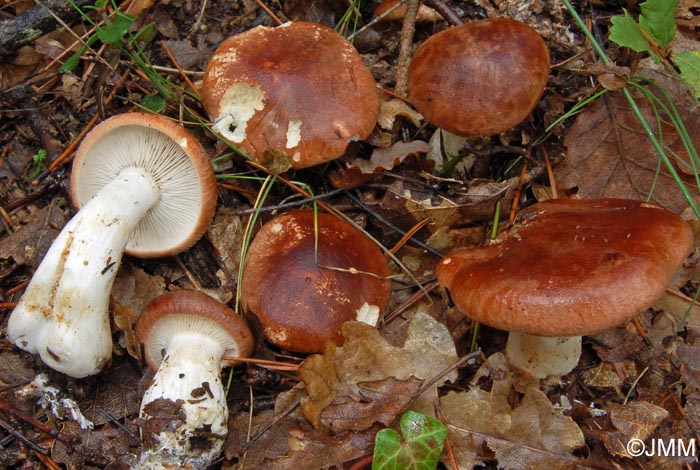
x=658, y=19
x=625, y=32
x=689, y=64
x=418, y=449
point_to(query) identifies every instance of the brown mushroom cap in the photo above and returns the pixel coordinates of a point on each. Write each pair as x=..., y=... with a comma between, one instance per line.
x=176, y=161
x=302, y=304
x=300, y=89
x=480, y=78
x=570, y=267
x=190, y=311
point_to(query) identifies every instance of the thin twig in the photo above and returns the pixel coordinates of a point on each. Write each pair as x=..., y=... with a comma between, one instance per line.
x=445, y=11
x=408, y=29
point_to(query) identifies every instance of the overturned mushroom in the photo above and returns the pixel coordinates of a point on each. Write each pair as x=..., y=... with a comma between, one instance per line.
x=185, y=336
x=304, y=281
x=146, y=187
x=567, y=268
x=299, y=89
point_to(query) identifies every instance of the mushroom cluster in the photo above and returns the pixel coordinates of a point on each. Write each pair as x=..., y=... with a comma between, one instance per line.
x=479, y=78
x=144, y=186
x=567, y=268
x=299, y=90
x=186, y=336
x=306, y=273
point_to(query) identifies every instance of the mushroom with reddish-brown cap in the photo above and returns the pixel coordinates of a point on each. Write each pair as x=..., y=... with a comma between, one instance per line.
x=299, y=89
x=304, y=277
x=567, y=268
x=479, y=78
x=144, y=185
x=186, y=337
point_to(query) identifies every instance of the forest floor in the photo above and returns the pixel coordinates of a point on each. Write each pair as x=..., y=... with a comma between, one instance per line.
x=634, y=382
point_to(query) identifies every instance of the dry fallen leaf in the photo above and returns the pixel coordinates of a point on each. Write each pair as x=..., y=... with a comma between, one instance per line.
x=608, y=155
x=387, y=158
x=29, y=244
x=366, y=356
x=381, y=401
x=483, y=425
x=636, y=420
x=132, y=291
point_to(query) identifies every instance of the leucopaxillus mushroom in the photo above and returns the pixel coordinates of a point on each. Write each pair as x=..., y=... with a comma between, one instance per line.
x=567, y=268
x=186, y=337
x=479, y=78
x=299, y=89
x=305, y=278
x=144, y=186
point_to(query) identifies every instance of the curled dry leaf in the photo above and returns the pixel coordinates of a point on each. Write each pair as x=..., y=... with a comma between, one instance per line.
x=609, y=155
x=406, y=205
x=340, y=375
x=387, y=158
x=390, y=109
x=531, y=435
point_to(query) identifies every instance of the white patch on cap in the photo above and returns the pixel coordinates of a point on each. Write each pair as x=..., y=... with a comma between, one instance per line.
x=447, y=261
x=368, y=314
x=238, y=105
x=293, y=133
x=183, y=142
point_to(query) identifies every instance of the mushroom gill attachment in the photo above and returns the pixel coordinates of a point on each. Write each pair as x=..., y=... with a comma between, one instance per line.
x=479, y=78
x=185, y=336
x=305, y=278
x=300, y=90
x=568, y=268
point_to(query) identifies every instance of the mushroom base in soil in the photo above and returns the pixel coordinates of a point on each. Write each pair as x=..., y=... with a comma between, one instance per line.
x=129, y=174
x=183, y=418
x=567, y=268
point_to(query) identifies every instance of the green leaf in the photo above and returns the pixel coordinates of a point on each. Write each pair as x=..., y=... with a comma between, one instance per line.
x=658, y=19
x=689, y=64
x=418, y=449
x=625, y=32
x=155, y=102
x=115, y=30
x=146, y=34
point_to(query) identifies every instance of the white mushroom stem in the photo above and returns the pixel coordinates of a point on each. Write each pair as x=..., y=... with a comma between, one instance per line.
x=184, y=412
x=63, y=314
x=542, y=356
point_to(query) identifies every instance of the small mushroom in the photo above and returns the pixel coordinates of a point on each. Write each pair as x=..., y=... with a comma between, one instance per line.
x=479, y=78
x=567, y=268
x=299, y=89
x=143, y=184
x=185, y=336
x=304, y=281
